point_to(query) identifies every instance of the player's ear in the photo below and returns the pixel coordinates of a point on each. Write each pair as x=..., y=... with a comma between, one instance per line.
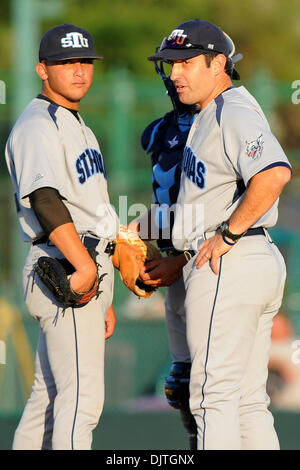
x=41, y=70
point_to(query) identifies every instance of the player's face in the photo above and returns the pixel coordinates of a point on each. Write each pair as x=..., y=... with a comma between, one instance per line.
x=66, y=82
x=195, y=82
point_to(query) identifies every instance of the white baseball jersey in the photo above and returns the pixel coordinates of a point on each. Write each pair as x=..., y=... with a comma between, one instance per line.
x=50, y=147
x=230, y=141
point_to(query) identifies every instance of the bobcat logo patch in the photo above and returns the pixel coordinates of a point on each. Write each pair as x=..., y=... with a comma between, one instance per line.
x=255, y=147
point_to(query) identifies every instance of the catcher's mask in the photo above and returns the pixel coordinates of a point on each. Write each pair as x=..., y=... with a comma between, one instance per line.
x=179, y=108
x=233, y=57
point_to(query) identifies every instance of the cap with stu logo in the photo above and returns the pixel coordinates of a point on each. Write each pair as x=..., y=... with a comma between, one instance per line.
x=196, y=37
x=67, y=41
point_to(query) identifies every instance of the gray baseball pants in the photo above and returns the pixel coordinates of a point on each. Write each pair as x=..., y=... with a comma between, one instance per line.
x=68, y=391
x=176, y=321
x=229, y=321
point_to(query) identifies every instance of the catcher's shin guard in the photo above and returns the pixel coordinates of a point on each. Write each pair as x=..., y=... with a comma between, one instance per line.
x=177, y=394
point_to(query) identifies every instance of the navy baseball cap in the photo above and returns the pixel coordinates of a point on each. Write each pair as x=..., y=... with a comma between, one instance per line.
x=197, y=37
x=67, y=41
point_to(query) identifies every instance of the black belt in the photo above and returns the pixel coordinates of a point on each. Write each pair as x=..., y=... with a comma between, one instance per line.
x=89, y=242
x=255, y=231
x=249, y=233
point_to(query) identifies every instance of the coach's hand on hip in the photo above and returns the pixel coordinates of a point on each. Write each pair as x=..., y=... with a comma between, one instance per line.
x=211, y=250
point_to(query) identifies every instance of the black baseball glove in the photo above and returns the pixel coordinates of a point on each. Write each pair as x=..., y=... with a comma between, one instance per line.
x=55, y=274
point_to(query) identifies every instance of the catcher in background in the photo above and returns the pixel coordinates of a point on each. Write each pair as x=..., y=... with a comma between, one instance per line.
x=59, y=179
x=164, y=139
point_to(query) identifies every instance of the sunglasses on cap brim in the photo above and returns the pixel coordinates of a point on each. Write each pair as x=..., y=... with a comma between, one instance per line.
x=183, y=42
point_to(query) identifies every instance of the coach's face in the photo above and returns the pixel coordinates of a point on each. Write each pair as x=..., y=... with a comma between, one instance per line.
x=195, y=82
x=67, y=81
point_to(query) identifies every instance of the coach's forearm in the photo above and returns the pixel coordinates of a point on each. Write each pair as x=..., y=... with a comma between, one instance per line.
x=262, y=192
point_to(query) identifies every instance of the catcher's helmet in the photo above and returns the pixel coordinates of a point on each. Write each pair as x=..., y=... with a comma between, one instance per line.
x=179, y=107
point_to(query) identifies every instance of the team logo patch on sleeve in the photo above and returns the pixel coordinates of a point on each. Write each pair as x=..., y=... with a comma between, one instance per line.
x=255, y=147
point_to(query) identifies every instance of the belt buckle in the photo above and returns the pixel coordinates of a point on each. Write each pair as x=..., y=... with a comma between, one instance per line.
x=110, y=248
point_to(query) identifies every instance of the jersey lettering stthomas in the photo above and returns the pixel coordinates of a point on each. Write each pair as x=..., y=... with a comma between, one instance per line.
x=89, y=163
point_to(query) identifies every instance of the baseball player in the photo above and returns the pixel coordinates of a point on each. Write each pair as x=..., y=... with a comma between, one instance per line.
x=165, y=140
x=59, y=179
x=234, y=170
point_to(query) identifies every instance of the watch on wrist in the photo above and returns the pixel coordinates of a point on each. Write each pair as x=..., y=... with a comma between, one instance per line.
x=226, y=232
